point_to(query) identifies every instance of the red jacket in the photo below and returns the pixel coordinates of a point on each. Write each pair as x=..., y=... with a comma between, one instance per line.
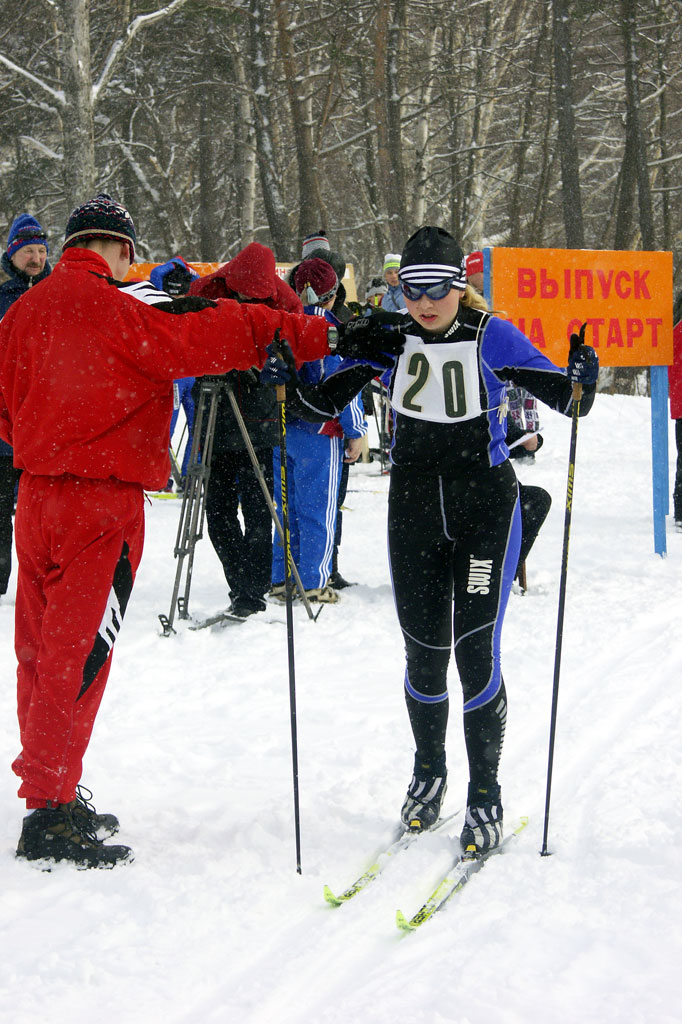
x=675, y=374
x=86, y=371
x=252, y=272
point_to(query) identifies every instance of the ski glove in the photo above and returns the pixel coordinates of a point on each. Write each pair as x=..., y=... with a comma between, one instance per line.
x=280, y=366
x=373, y=339
x=583, y=361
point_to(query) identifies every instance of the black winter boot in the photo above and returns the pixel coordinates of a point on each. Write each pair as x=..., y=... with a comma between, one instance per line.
x=51, y=834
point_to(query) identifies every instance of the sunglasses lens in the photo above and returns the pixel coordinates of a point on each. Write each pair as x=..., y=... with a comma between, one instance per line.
x=439, y=291
x=433, y=291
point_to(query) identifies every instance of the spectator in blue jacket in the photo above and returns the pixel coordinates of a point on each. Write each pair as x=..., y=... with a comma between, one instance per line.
x=23, y=264
x=393, y=300
x=315, y=458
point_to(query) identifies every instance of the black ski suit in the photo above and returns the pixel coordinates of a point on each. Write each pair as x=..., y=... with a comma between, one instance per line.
x=453, y=516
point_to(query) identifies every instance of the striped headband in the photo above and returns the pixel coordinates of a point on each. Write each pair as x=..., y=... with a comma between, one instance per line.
x=432, y=273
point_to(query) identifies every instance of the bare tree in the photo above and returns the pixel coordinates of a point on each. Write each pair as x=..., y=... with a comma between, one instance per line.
x=75, y=103
x=220, y=121
x=634, y=141
x=260, y=71
x=566, y=136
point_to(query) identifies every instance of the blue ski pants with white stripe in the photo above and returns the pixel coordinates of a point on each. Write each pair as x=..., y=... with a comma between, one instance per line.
x=313, y=470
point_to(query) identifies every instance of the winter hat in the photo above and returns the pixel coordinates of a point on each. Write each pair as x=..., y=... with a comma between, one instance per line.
x=313, y=242
x=333, y=258
x=25, y=230
x=315, y=281
x=377, y=286
x=431, y=255
x=474, y=263
x=391, y=261
x=173, y=277
x=101, y=217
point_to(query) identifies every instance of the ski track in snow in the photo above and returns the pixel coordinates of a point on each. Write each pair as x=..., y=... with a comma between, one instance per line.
x=192, y=750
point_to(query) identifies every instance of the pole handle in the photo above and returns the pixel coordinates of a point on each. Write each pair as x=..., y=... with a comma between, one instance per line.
x=577, y=392
x=281, y=389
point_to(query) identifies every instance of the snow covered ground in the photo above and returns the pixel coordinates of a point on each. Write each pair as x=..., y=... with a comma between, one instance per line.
x=211, y=923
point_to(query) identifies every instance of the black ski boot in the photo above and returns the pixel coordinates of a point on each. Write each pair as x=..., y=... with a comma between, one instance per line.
x=337, y=582
x=482, y=830
x=51, y=834
x=425, y=793
x=243, y=605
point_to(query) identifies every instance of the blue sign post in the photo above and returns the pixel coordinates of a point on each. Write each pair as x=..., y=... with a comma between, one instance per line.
x=659, y=454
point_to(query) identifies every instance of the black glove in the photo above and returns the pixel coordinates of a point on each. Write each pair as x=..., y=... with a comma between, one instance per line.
x=373, y=339
x=583, y=361
x=280, y=366
x=177, y=280
x=186, y=304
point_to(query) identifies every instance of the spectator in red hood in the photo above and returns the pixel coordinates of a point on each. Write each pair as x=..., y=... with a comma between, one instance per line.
x=251, y=276
x=245, y=553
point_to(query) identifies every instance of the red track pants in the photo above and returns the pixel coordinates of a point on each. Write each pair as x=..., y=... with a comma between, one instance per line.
x=79, y=543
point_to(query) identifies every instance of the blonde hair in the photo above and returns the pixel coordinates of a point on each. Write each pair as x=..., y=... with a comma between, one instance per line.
x=475, y=300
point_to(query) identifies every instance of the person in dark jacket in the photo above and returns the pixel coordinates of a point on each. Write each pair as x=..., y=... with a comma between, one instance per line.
x=534, y=502
x=245, y=552
x=23, y=263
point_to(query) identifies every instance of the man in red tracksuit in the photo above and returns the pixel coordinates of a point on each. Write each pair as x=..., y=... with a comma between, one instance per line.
x=86, y=388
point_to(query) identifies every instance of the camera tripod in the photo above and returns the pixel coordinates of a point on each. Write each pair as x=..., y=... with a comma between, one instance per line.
x=192, y=513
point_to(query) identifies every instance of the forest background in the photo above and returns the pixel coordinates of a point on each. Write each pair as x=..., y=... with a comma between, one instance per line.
x=542, y=123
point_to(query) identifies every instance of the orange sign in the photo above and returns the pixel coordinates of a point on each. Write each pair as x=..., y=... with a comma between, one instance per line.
x=141, y=271
x=625, y=298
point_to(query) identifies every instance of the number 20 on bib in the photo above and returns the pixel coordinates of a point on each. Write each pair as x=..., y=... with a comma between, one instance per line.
x=438, y=382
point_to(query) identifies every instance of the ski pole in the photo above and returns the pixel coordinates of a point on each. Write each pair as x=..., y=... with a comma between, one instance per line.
x=266, y=494
x=281, y=402
x=577, y=395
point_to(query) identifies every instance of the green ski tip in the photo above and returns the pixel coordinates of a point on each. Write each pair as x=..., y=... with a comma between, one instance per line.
x=402, y=922
x=329, y=896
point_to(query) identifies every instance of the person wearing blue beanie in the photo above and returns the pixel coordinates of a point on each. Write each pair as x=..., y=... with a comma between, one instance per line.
x=22, y=265
x=25, y=230
x=24, y=261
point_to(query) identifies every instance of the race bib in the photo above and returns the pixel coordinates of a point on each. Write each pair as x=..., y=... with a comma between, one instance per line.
x=438, y=382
